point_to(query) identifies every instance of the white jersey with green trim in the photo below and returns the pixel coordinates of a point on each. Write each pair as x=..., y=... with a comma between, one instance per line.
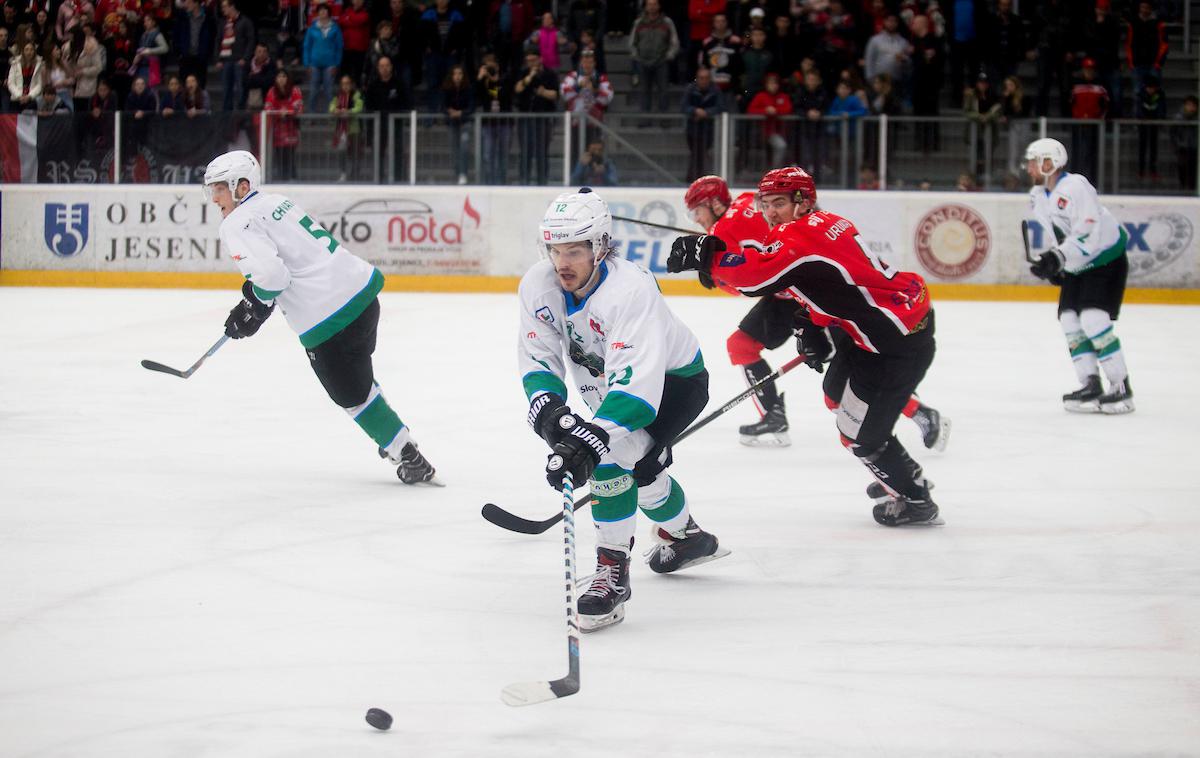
x=1086, y=233
x=619, y=342
x=321, y=287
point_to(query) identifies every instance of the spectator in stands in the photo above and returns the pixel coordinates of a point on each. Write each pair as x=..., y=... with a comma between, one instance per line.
x=58, y=77
x=141, y=105
x=889, y=53
x=1101, y=43
x=493, y=96
x=702, y=103
x=87, y=56
x=384, y=45
x=406, y=28
x=811, y=101
x=587, y=41
x=1151, y=106
x=444, y=38
x=355, y=21
x=757, y=60
x=587, y=91
x=9, y=22
x=120, y=51
x=721, y=55
x=5, y=69
x=785, y=47
x=322, y=56
x=1089, y=100
x=347, y=105
x=594, y=168
x=172, y=102
x=965, y=20
x=510, y=22
x=147, y=62
x=884, y=100
x=550, y=41
x=51, y=104
x=653, y=43
x=234, y=46
x=966, y=183
x=589, y=15
x=459, y=102
x=101, y=111
x=1185, y=140
x=260, y=76
x=193, y=40
x=982, y=106
x=837, y=33
x=284, y=100
x=1004, y=42
x=386, y=93
x=196, y=101
x=535, y=91
x=700, y=21
x=1013, y=103
x=846, y=104
x=72, y=13
x=43, y=29
x=772, y=103
x=1055, y=41
x=868, y=179
x=109, y=13
x=928, y=66
x=25, y=79
x=1145, y=44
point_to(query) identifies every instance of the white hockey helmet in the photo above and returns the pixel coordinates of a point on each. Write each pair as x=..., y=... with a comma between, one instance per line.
x=578, y=217
x=231, y=168
x=1041, y=149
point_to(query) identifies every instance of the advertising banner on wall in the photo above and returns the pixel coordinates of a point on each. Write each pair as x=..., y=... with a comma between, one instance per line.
x=967, y=238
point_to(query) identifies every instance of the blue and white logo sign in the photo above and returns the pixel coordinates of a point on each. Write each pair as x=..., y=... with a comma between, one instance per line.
x=66, y=228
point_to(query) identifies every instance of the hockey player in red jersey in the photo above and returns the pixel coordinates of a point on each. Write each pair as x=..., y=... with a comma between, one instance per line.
x=772, y=321
x=818, y=258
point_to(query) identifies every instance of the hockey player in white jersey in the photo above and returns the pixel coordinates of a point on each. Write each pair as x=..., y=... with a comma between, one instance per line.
x=1088, y=260
x=327, y=294
x=600, y=322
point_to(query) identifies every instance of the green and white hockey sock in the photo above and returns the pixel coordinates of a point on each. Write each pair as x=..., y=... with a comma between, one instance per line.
x=1083, y=353
x=666, y=505
x=616, y=496
x=1099, y=328
x=381, y=423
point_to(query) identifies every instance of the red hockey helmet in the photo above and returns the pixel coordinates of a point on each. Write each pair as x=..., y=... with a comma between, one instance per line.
x=707, y=188
x=791, y=180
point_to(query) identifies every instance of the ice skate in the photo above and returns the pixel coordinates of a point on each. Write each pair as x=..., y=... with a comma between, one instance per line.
x=689, y=547
x=413, y=467
x=935, y=428
x=771, y=431
x=880, y=496
x=1086, y=399
x=1118, y=399
x=603, y=604
x=906, y=511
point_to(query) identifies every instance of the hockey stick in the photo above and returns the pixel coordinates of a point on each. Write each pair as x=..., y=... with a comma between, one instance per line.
x=656, y=226
x=155, y=366
x=514, y=523
x=528, y=693
x=1025, y=240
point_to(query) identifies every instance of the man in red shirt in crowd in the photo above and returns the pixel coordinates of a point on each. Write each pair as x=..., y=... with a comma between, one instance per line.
x=1089, y=100
x=818, y=258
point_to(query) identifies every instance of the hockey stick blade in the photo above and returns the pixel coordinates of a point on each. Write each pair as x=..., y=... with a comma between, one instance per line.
x=153, y=366
x=531, y=693
x=514, y=523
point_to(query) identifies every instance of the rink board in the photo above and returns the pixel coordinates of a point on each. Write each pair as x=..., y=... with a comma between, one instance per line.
x=478, y=239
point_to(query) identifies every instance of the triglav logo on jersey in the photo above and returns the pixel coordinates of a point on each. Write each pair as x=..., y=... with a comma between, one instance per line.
x=952, y=241
x=66, y=228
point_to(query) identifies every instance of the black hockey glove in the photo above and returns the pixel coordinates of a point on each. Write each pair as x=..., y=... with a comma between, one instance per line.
x=1049, y=266
x=813, y=343
x=544, y=414
x=248, y=315
x=579, y=451
x=694, y=253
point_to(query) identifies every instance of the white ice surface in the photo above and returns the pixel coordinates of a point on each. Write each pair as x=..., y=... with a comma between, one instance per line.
x=222, y=566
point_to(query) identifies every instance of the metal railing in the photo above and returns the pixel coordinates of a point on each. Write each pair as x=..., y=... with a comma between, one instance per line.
x=527, y=149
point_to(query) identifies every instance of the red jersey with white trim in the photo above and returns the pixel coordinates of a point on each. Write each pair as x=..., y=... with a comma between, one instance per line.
x=740, y=226
x=821, y=261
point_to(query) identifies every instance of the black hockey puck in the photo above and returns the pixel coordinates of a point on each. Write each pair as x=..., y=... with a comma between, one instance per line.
x=379, y=718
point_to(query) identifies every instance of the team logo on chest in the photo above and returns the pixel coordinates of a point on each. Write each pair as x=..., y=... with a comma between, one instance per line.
x=1062, y=203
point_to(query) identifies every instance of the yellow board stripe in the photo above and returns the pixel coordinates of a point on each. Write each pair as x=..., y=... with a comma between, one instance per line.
x=443, y=283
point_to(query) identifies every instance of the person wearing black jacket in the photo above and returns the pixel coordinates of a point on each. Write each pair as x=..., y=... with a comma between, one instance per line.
x=386, y=94
x=192, y=41
x=535, y=91
x=1101, y=42
x=809, y=104
x=232, y=49
x=459, y=101
x=493, y=96
x=702, y=103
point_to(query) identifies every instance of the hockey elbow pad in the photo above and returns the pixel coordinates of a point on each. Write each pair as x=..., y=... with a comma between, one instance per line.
x=544, y=414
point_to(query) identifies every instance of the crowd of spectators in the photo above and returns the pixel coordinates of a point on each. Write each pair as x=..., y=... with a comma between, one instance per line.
x=796, y=63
